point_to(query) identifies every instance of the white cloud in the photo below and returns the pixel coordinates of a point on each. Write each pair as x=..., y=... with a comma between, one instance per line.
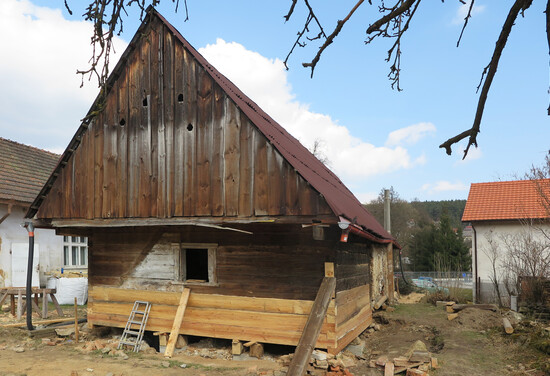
x=462, y=12
x=42, y=101
x=265, y=81
x=444, y=186
x=410, y=135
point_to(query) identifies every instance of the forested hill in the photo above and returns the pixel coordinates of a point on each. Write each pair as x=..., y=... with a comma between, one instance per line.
x=453, y=208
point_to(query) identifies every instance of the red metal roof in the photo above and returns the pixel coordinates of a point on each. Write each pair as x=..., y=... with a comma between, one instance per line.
x=23, y=170
x=340, y=199
x=506, y=200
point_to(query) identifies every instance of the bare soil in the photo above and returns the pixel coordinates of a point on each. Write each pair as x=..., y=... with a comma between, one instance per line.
x=472, y=344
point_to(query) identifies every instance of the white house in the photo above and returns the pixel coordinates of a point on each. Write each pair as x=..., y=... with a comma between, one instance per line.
x=23, y=171
x=510, y=230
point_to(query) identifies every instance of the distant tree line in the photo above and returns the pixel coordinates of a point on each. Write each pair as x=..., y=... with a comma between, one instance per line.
x=430, y=232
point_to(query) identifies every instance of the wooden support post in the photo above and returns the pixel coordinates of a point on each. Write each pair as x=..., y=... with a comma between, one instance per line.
x=35, y=306
x=236, y=347
x=177, y=323
x=312, y=329
x=12, y=305
x=56, y=304
x=44, y=305
x=75, y=321
x=19, y=304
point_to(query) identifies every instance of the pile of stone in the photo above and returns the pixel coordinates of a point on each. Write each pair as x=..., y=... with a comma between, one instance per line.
x=322, y=363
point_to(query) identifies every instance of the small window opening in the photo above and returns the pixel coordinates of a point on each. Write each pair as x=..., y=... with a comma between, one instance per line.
x=180, y=97
x=196, y=264
x=122, y=122
x=145, y=102
x=189, y=127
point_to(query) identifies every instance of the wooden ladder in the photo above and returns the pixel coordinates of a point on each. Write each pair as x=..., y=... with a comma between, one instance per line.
x=312, y=329
x=133, y=336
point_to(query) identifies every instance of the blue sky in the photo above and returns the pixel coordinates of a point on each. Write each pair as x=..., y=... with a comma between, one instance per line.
x=374, y=136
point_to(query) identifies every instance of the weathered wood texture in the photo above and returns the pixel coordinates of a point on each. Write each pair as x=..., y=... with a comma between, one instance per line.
x=353, y=265
x=169, y=142
x=262, y=320
x=267, y=264
x=353, y=315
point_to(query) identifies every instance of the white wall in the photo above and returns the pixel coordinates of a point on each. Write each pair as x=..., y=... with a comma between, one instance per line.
x=496, y=230
x=11, y=232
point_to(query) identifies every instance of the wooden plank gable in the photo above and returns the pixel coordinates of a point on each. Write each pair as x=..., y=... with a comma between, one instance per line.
x=169, y=142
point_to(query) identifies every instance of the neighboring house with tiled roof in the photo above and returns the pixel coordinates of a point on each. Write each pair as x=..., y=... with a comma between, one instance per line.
x=23, y=171
x=498, y=211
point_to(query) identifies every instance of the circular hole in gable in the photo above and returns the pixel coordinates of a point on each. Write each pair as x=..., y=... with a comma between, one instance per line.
x=122, y=122
x=180, y=97
x=189, y=127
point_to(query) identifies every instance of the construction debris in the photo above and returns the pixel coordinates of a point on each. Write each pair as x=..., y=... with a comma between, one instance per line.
x=416, y=361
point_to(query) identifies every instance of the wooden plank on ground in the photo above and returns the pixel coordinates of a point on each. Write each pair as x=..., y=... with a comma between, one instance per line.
x=42, y=322
x=312, y=328
x=177, y=323
x=388, y=369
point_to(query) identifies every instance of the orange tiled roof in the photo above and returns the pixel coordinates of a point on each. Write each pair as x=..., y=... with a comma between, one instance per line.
x=23, y=170
x=520, y=199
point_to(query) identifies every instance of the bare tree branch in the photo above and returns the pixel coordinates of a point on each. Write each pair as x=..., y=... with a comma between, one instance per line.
x=468, y=16
x=517, y=7
x=396, y=11
x=340, y=24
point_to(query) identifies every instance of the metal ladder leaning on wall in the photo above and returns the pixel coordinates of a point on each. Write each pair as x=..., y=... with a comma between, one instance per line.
x=139, y=315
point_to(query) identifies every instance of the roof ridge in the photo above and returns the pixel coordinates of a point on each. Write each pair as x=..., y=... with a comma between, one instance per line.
x=30, y=146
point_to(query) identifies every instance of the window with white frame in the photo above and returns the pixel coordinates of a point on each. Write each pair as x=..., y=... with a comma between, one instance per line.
x=75, y=251
x=198, y=263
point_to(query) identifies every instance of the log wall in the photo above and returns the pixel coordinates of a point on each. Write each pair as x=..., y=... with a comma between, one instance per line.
x=266, y=320
x=270, y=264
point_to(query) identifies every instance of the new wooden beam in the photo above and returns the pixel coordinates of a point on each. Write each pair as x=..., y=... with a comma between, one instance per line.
x=177, y=323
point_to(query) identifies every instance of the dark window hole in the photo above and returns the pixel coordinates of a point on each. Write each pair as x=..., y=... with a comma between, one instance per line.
x=180, y=97
x=145, y=102
x=122, y=122
x=189, y=127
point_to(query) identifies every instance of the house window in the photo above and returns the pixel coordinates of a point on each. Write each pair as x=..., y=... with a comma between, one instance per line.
x=75, y=251
x=198, y=263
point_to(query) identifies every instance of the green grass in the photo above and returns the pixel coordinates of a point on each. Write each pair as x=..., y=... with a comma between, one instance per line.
x=416, y=310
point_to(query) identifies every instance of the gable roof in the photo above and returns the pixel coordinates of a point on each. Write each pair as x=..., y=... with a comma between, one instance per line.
x=507, y=200
x=341, y=201
x=23, y=170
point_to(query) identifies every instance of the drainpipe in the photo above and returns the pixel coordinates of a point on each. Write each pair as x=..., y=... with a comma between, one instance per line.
x=476, y=285
x=30, y=229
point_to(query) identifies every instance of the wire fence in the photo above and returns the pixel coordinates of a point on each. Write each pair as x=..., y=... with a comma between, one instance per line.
x=447, y=278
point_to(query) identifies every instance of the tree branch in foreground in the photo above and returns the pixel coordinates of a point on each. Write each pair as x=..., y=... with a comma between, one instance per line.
x=517, y=7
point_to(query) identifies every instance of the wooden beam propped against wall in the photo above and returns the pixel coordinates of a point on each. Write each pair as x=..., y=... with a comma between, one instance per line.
x=313, y=327
x=177, y=323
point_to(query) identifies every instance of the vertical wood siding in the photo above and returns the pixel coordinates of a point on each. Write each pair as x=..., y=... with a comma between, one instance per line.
x=170, y=142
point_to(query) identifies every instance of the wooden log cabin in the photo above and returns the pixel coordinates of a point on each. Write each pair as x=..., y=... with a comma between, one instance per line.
x=178, y=180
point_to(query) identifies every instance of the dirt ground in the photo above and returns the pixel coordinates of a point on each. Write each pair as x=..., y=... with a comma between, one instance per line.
x=472, y=344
